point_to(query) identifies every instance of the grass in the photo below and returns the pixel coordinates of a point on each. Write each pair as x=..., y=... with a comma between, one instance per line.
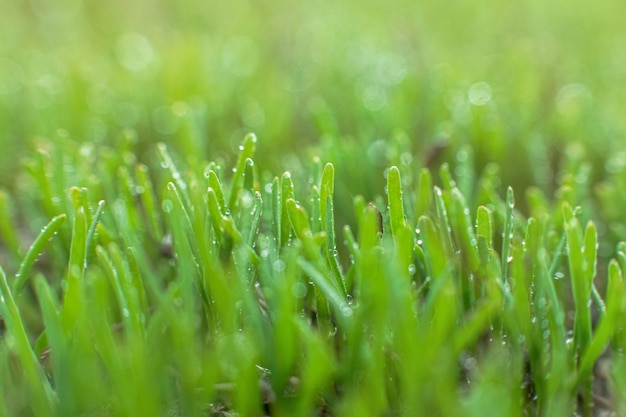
x=429, y=223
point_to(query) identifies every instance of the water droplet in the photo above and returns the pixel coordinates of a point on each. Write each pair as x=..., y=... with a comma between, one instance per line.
x=279, y=265
x=125, y=312
x=469, y=364
x=412, y=269
x=479, y=94
x=167, y=206
x=298, y=290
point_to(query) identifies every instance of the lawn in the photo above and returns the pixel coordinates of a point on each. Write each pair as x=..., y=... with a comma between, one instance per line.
x=312, y=208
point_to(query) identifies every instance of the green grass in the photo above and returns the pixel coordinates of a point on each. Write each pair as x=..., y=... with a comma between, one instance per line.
x=427, y=220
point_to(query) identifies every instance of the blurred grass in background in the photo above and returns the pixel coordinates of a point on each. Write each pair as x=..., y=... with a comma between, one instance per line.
x=517, y=81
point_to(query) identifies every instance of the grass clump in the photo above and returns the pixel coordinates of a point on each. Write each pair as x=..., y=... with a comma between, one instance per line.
x=431, y=222
x=201, y=290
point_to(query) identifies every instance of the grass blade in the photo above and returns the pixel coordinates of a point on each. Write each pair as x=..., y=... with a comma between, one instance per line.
x=246, y=153
x=42, y=396
x=507, y=233
x=35, y=250
x=396, y=205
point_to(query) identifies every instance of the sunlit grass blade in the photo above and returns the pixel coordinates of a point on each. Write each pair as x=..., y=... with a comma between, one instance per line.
x=35, y=250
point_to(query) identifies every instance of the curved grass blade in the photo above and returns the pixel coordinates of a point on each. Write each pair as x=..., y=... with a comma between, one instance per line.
x=35, y=250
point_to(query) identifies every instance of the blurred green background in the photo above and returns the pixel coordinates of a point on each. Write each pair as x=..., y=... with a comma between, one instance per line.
x=361, y=84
